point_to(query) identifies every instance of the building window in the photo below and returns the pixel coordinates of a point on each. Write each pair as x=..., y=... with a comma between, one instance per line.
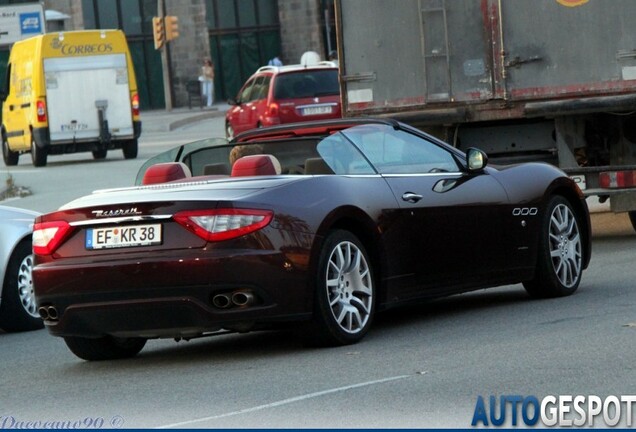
x=244, y=35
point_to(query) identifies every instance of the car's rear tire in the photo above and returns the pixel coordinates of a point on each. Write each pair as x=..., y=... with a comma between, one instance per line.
x=130, y=149
x=38, y=154
x=18, y=311
x=104, y=348
x=345, y=292
x=10, y=157
x=560, y=256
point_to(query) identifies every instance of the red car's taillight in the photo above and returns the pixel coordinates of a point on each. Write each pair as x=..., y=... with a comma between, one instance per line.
x=40, y=107
x=273, y=110
x=223, y=224
x=47, y=236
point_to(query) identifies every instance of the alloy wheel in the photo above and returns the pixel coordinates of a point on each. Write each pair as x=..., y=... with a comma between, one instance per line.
x=349, y=287
x=565, y=245
x=25, y=286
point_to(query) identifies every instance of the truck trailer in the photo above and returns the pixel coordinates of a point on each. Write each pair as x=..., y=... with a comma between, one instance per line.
x=540, y=80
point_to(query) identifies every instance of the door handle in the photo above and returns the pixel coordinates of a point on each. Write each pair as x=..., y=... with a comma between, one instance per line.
x=411, y=197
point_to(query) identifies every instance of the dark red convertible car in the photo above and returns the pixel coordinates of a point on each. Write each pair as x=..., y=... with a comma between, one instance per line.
x=322, y=224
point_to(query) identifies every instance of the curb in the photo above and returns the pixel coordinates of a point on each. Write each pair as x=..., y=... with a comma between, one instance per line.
x=194, y=119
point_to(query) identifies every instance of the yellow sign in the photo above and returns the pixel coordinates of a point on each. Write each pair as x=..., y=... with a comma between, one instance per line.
x=572, y=3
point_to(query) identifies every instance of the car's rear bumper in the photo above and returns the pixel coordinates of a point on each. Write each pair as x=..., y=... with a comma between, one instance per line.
x=151, y=298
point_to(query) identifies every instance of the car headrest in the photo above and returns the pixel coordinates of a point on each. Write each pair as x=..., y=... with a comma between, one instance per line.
x=166, y=172
x=317, y=166
x=255, y=165
x=216, y=168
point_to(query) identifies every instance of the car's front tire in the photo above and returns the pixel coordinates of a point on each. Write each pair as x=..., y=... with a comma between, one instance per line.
x=229, y=131
x=345, y=292
x=104, y=348
x=560, y=256
x=18, y=311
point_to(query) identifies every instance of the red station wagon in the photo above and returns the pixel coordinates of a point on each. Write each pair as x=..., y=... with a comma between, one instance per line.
x=285, y=94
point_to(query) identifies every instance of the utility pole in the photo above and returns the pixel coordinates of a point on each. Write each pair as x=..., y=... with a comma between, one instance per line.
x=165, y=56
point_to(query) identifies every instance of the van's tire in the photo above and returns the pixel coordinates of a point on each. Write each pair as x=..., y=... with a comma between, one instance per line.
x=100, y=154
x=10, y=157
x=38, y=154
x=130, y=149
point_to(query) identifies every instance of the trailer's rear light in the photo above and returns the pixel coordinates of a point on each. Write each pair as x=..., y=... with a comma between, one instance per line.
x=223, y=224
x=617, y=179
x=48, y=236
x=40, y=107
x=134, y=103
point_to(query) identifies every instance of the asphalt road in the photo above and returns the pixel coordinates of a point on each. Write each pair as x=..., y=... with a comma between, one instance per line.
x=419, y=367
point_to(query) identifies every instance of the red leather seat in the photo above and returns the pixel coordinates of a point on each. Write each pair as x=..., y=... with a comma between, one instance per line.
x=255, y=165
x=166, y=172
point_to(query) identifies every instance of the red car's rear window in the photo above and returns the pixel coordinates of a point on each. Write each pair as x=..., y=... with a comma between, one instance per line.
x=306, y=84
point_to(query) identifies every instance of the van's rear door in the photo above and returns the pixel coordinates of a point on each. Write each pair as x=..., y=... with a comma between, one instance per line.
x=76, y=86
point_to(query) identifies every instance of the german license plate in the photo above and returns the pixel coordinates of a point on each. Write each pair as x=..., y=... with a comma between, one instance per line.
x=123, y=236
x=317, y=110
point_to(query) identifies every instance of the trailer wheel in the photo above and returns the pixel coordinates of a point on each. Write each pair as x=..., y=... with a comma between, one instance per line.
x=100, y=154
x=10, y=157
x=130, y=149
x=632, y=218
x=38, y=154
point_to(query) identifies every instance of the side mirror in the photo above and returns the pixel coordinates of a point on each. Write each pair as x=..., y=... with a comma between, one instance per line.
x=476, y=159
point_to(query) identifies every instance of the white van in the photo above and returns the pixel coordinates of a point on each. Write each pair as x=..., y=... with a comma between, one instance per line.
x=70, y=92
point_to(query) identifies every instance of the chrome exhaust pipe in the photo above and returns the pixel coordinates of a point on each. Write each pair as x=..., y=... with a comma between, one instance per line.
x=48, y=313
x=222, y=301
x=242, y=298
x=52, y=311
x=43, y=312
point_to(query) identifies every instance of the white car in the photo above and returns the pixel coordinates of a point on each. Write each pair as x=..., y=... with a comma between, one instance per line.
x=18, y=311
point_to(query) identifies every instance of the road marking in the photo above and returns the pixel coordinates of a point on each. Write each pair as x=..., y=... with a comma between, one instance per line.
x=283, y=402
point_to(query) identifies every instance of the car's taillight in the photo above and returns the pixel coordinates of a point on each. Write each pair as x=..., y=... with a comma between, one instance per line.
x=134, y=103
x=40, y=107
x=223, y=224
x=47, y=236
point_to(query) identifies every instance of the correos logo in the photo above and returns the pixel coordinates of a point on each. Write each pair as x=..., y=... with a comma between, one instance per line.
x=81, y=49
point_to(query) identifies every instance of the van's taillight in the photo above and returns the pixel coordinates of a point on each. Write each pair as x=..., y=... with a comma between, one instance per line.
x=48, y=236
x=223, y=224
x=40, y=107
x=134, y=103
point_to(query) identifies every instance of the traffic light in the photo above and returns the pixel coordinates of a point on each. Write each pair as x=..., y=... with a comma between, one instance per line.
x=158, y=32
x=172, y=27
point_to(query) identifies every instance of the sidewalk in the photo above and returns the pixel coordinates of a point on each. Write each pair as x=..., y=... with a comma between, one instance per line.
x=166, y=121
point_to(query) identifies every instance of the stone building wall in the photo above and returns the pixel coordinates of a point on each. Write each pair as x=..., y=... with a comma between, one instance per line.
x=188, y=51
x=73, y=8
x=300, y=29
